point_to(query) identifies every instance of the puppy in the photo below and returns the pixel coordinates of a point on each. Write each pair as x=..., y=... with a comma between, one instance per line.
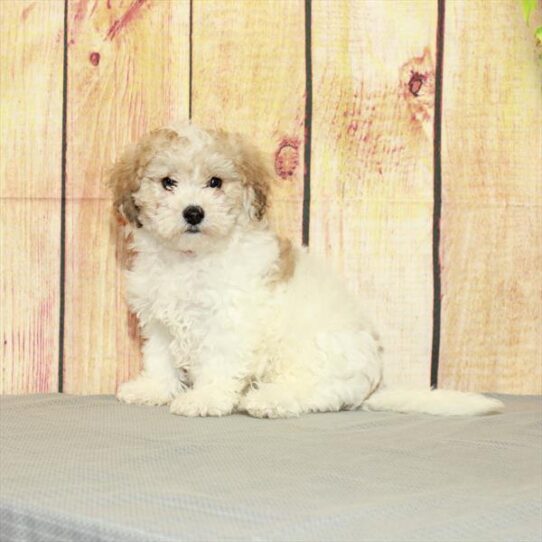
x=233, y=317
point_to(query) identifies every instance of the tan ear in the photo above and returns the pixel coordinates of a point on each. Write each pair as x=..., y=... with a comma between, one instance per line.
x=258, y=177
x=125, y=175
x=124, y=181
x=256, y=171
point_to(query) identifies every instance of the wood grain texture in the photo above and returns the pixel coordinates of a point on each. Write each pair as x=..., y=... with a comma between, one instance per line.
x=128, y=72
x=31, y=48
x=372, y=177
x=491, y=249
x=249, y=77
x=371, y=169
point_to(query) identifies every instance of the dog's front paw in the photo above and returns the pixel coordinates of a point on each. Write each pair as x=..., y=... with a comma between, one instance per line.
x=148, y=391
x=270, y=401
x=202, y=402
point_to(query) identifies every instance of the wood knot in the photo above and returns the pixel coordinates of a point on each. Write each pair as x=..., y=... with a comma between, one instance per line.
x=417, y=79
x=94, y=58
x=417, y=86
x=287, y=157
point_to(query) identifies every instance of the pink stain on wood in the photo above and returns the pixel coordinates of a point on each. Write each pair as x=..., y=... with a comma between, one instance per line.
x=78, y=16
x=80, y=11
x=42, y=371
x=27, y=10
x=353, y=127
x=123, y=21
x=94, y=6
x=43, y=378
x=287, y=157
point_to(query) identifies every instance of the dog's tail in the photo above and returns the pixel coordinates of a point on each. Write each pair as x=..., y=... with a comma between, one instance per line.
x=437, y=402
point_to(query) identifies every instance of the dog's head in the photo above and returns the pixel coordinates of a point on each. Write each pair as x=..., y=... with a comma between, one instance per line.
x=190, y=187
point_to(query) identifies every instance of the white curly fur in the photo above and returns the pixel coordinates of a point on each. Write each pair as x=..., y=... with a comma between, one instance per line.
x=226, y=328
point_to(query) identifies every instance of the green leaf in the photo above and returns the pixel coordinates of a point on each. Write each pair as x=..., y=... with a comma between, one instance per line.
x=528, y=6
x=538, y=34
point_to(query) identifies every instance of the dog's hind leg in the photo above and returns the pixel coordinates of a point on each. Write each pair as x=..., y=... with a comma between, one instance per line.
x=337, y=370
x=290, y=397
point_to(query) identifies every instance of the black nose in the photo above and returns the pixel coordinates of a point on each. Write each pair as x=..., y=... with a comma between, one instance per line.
x=193, y=214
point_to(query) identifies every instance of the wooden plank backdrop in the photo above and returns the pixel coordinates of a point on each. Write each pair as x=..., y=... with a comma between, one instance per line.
x=492, y=201
x=31, y=49
x=341, y=96
x=372, y=175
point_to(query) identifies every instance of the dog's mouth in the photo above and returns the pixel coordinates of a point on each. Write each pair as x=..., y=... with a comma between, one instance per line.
x=193, y=229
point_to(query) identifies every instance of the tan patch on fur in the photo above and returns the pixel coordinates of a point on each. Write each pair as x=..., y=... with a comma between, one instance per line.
x=285, y=264
x=125, y=176
x=256, y=171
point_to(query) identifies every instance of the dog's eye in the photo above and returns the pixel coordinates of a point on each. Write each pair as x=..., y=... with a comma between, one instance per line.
x=215, y=182
x=168, y=183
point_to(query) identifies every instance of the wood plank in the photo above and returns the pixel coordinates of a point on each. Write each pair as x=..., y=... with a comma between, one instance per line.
x=249, y=77
x=372, y=176
x=31, y=71
x=31, y=54
x=128, y=72
x=98, y=324
x=29, y=288
x=492, y=201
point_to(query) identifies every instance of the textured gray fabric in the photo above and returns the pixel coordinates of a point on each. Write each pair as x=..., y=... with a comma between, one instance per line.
x=92, y=469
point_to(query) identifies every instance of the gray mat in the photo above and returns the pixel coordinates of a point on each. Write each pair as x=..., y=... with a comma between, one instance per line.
x=92, y=469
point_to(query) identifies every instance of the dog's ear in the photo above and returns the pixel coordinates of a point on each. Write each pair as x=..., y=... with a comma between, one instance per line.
x=124, y=181
x=254, y=169
x=126, y=174
x=258, y=177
